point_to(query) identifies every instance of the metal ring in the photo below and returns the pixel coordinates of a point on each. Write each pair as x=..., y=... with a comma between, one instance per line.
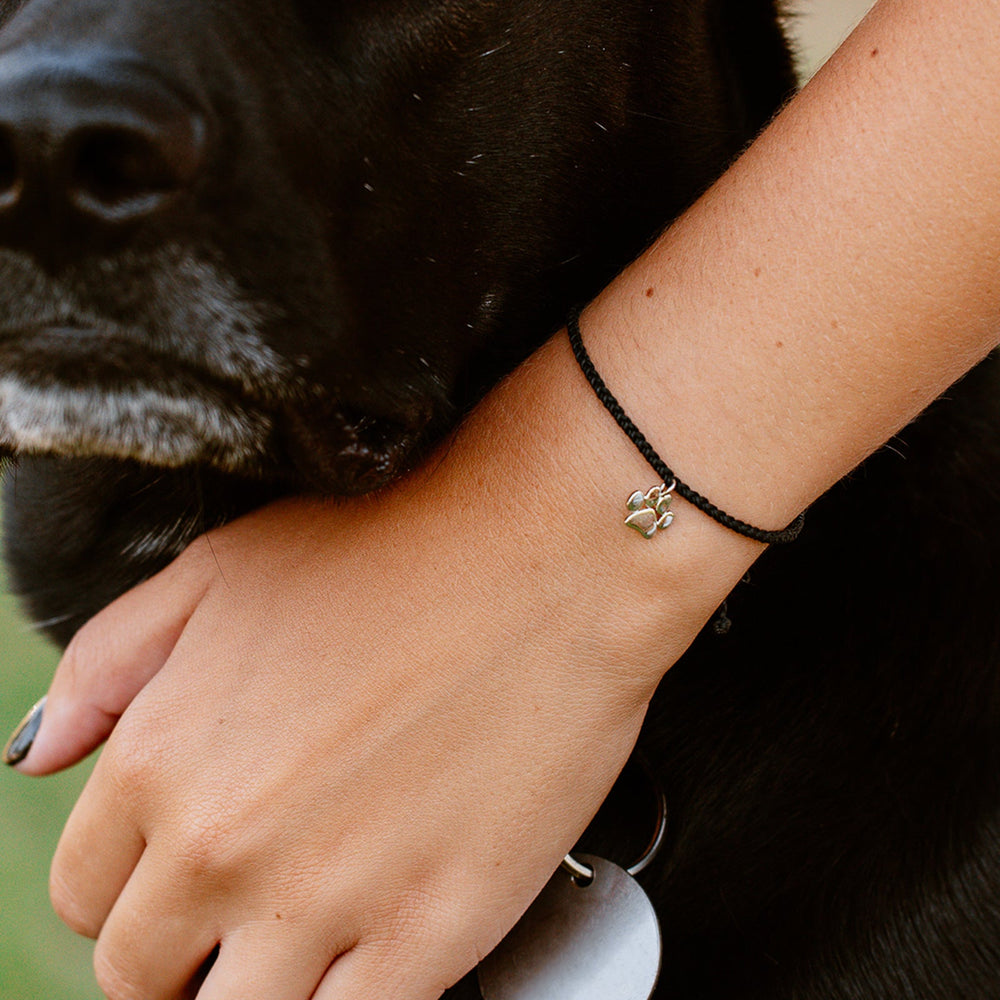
x=657, y=842
x=577, y=869
x=584, y=873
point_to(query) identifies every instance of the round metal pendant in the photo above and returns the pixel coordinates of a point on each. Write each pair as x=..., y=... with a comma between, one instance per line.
x=599, y=941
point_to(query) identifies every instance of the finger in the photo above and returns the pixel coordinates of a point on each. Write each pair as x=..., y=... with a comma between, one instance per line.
x=268, y=961
x=97, y=853
x=372, y=974
x=154, y=941
x=110, y=660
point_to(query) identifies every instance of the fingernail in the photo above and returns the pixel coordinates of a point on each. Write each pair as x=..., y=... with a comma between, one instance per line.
x=24, y=736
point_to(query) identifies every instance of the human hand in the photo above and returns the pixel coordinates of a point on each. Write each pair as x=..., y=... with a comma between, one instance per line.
x=358, y=739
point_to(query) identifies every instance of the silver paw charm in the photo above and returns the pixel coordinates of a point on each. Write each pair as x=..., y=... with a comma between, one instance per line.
x=651, y=511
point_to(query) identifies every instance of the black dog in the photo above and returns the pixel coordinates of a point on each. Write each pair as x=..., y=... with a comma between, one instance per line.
x=251, y=247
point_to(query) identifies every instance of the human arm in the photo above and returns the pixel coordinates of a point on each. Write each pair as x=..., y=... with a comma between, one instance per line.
x=840, y=276
x=539, y=476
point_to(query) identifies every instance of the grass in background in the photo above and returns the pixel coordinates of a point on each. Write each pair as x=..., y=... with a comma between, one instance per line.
x=39, y=958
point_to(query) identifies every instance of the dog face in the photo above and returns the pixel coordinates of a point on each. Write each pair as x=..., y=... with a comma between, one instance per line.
x=294, y=239
x=252, y=247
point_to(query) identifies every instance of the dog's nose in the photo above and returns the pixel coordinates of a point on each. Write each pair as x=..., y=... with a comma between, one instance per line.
x=90, y=144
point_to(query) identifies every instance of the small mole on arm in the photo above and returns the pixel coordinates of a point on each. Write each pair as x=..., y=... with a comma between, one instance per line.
x=756, y=272
x=874, y=53
x=649, y=293
x=779, y=344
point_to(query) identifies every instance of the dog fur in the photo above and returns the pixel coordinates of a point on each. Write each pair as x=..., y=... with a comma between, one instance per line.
x=394, y=203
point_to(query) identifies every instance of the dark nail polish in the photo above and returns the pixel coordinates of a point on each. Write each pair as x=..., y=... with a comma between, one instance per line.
x=24, y=736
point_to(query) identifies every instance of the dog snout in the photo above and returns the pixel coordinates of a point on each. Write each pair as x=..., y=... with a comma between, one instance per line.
x=90, y=144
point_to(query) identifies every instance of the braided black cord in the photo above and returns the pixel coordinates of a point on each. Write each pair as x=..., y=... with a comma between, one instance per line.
x=647, y=451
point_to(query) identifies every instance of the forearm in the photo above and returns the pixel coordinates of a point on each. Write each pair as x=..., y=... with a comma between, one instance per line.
x=837, y=280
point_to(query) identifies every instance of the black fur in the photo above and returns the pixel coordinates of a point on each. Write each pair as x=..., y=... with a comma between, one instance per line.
x=412, y=195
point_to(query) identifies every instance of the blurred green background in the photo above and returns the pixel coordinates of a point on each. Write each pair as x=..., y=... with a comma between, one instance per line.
x=39, y=958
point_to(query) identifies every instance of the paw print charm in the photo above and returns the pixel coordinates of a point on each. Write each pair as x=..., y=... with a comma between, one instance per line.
x=651, y=511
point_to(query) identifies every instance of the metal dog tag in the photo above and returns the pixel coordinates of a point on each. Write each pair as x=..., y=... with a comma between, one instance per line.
x=599, y=941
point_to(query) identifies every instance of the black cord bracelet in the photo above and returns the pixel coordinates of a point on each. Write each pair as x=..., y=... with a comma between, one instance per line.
x=650, y=511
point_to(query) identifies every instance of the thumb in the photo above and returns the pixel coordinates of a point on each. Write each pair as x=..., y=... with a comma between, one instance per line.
x=107, y=663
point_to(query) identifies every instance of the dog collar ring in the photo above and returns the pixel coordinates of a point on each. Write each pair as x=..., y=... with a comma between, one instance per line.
x=582, y=873
x=592, y=934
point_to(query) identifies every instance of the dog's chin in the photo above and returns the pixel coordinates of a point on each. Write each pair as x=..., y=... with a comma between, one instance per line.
x=168, y=424
x=179, y=421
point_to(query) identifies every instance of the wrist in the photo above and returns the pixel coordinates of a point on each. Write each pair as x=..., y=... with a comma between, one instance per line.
x=549, y=473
